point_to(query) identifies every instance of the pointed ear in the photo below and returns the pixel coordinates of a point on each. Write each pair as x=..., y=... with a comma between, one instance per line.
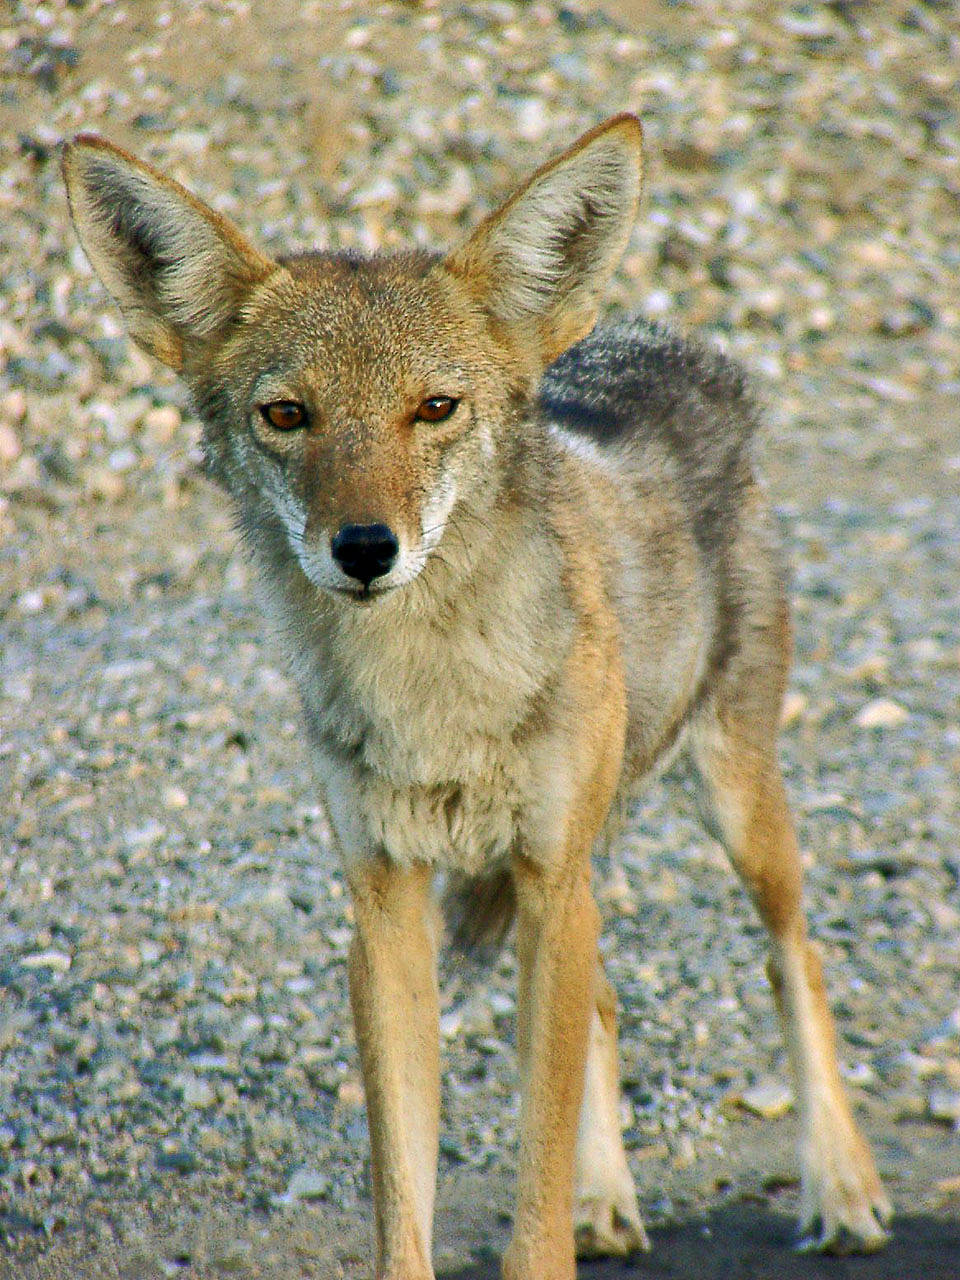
x=540, y=262
x=178, y=271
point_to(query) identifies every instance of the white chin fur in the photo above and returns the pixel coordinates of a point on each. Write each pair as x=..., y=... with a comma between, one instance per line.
x=325, y=574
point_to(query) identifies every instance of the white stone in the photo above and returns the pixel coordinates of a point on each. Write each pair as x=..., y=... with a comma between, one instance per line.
x=882, y=713
x=768, y=1099
x=59, y=961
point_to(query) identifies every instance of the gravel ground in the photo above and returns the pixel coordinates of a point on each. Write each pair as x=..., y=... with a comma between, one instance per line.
x=178, y=1080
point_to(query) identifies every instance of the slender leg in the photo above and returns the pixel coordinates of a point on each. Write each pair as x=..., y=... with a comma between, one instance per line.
x=606, y=1216
x=844, y=1206
x=556, y=948
x=393, y=991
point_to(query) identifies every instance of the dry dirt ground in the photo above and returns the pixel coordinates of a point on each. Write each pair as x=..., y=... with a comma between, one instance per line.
x=178, y=1082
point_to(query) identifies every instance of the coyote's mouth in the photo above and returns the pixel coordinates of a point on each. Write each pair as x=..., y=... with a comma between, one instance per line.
x=362, y=595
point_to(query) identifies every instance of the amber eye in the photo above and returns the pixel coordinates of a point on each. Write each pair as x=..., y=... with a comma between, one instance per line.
x=284, y=415
x=436, y=408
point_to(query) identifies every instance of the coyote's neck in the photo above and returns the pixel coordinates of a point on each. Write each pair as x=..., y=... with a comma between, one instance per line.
x=418, y=684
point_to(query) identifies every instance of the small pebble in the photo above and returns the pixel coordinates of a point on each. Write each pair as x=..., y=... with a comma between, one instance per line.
x=195, y=1091
x=882, y=713
x=10, y=447
x=175, y=798
x=768, y=1099
x=306, y=1184
x=350, y=1093
x=944, y=1104
x=58, y=961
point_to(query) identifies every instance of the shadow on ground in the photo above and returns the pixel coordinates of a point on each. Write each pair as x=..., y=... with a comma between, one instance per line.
x=746, y=1242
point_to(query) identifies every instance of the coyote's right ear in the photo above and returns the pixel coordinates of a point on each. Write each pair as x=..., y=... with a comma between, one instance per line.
x=538, y=265
x=178, y=270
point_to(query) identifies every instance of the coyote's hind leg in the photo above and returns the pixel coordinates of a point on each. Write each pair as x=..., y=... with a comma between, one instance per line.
x=844, y=1206
x=606, y=1217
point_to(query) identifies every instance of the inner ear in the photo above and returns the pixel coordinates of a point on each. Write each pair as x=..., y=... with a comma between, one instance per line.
x=541, y=261
x=178, y=270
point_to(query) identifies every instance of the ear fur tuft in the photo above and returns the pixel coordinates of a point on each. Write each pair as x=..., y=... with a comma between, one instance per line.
x=540, y=262
x=178, y=270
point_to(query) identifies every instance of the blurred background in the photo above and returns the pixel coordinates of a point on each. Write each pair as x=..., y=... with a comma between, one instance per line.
x=178, y=1083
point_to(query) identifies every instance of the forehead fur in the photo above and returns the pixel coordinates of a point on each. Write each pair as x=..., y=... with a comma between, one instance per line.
x=339, y=269
x=349, y=316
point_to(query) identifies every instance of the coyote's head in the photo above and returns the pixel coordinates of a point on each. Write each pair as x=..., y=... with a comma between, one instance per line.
x=352, y=405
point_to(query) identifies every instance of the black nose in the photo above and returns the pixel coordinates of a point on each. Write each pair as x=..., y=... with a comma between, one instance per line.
x=365, y=551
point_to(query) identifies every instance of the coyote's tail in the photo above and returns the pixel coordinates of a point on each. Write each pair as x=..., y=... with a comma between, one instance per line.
x=479, y=912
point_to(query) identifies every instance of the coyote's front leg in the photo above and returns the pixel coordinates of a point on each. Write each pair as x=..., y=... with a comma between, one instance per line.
x=557, y=925
x=393, y=991
x=557, y=929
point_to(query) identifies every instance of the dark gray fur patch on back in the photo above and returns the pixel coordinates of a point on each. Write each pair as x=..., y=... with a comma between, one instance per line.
x=633, y=382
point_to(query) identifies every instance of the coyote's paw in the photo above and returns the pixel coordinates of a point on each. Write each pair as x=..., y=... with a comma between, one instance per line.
x=844, y=1206
x=609, y=1225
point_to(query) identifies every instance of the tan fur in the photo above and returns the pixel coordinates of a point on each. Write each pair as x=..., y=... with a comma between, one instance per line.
x=583, y=580
x=606, y=1214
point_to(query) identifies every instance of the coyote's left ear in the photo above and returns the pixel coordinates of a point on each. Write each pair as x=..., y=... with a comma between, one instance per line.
x=539, y=263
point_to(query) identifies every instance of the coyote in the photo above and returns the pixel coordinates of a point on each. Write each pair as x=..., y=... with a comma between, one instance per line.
x=516, y=563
